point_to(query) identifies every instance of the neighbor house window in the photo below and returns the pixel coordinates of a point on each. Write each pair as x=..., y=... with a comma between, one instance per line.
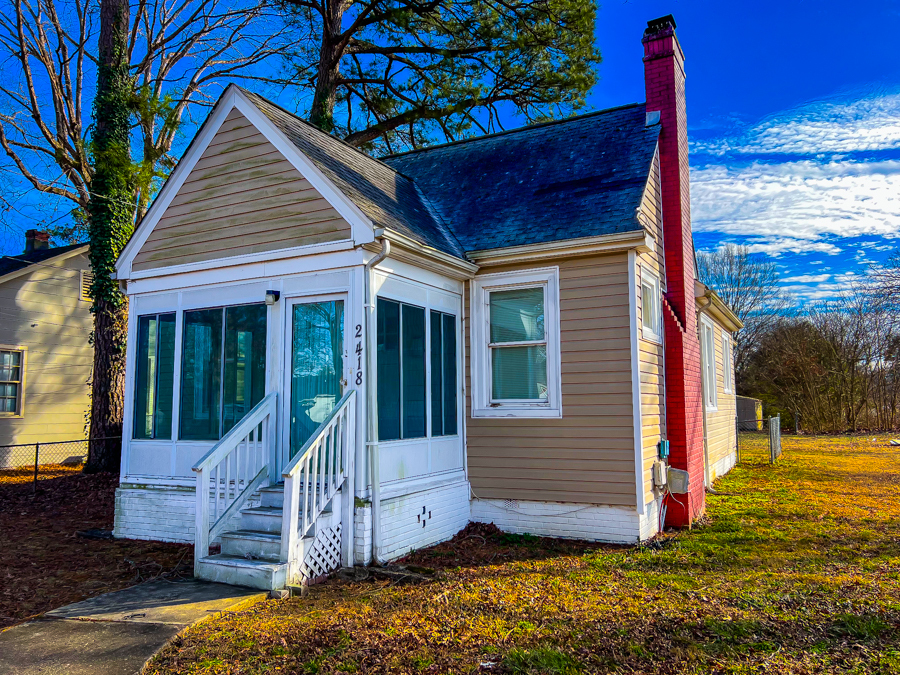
x=154, y=376
x=12, y=373
x=650, y=314
x=708, y=356
x=516, y=349
x=727, y=364
x=401, y=370
x=223, y=369
x=443, y=374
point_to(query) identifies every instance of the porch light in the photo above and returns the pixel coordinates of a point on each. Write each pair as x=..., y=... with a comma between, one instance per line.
x=272, y=297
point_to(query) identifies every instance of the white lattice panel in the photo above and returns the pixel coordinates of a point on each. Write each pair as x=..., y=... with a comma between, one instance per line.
x=325, y=555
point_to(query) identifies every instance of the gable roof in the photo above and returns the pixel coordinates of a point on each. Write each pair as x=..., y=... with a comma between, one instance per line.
x=579, y=177
x=17, y=263
x=387, y=197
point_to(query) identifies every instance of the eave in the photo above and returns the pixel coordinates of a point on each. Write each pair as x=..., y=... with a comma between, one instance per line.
x=607, y=243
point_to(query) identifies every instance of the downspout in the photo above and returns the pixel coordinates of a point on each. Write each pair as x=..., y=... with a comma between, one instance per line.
x=372, y=401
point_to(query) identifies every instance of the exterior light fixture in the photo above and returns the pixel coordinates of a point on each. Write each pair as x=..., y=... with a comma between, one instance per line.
x=272, y=297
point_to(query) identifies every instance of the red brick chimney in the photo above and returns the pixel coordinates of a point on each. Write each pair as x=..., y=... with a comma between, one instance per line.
x=35, y=239
x=664, y=82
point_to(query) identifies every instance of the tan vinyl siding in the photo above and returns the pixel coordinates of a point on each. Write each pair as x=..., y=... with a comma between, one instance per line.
x=242, y=197
x=588, y=455
x=650, y=353
x=721, y=435
x=42, y=311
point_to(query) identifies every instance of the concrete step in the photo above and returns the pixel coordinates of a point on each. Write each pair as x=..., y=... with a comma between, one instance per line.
x=263, y=545
x=262, y=519
x=238, y=571
x=273, y=496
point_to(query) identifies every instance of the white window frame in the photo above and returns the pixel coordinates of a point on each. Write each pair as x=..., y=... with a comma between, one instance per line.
x=20, y=394
x=651, y=333
x=727, y=364
x=708, y=363
x=483, y=285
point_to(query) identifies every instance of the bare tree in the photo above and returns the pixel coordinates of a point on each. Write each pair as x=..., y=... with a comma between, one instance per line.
x=178, y=51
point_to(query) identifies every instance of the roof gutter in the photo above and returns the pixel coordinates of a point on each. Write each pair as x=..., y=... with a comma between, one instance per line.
x=619, y=242
x=716, y=308
x=409, y=250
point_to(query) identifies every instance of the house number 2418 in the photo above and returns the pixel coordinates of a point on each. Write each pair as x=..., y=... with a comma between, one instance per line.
x=359, y=350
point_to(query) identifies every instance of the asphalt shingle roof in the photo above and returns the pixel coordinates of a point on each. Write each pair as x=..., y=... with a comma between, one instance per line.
x=579, y=177
x=14, y=263
x=389, y=199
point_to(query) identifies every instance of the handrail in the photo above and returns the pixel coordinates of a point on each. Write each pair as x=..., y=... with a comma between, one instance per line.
x=234, y=468
x=324, y=465
x=291, y=468
x=238, y=431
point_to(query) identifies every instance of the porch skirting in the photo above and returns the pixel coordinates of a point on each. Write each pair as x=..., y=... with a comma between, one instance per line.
x=413, y=521
x=614, y=524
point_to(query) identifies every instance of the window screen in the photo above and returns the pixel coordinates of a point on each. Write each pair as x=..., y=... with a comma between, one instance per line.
x=154, y=376
x=401, y=370
x=443, y=374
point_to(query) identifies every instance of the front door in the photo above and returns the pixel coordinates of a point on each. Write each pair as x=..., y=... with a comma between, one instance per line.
x=315, y=378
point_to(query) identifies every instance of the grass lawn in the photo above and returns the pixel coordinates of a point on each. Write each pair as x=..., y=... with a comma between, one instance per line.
x=795, y=569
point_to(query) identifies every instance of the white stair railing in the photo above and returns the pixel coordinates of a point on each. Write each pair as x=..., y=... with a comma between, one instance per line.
x=323, y=465
x=235, y=468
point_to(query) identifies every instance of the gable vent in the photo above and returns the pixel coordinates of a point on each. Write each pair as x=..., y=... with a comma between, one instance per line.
x=87, y=280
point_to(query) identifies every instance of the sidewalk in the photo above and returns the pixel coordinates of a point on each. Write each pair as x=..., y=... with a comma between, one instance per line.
x=115, y=634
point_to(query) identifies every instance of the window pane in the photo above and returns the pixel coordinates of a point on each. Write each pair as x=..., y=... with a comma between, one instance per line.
x=647, y=307
x=201, y=374
x=413, y=351
x=449, y=375
x=165, y=375
x=10, y=366
x=245, y=362
x=388, y=355
x=437, y=386
x=519, y=373
x=517, y=315
x=145, y=377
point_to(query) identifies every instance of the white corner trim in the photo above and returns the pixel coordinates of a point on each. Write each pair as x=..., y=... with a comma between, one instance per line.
x=480, y=330
x=361, y=227
x=637, y=414
x=605, y=243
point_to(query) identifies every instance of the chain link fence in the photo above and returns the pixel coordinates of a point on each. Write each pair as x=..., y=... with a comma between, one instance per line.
x=48, y=460
x=761, y=434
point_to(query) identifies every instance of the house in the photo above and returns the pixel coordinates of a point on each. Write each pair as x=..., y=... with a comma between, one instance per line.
x=334, y=359
x=45, y=352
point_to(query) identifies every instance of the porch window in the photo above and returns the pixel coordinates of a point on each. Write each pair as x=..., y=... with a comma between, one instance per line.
x=727, y=364
x=401, y=371
x=443, y=374
x=650, y=311
x=708, y=356
x=12, y=364
x=223, y=368
x=154, y=376
x=516, y=350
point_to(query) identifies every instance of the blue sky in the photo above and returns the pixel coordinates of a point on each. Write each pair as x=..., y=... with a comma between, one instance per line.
x=794, y=120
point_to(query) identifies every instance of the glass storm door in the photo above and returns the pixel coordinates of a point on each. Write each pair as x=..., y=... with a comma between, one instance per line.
x=316, y=334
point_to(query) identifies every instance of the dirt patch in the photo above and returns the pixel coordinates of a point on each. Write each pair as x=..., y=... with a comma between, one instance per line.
x=45, y=564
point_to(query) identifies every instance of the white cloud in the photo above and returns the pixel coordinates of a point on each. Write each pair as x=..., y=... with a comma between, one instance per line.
x=807, y=279
x=832, y=126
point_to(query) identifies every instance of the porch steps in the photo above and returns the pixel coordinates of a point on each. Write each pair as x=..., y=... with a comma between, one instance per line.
x=251, y=554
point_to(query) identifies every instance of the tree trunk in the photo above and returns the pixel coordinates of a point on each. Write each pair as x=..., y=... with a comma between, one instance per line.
x=111, y=222
x=324, y=99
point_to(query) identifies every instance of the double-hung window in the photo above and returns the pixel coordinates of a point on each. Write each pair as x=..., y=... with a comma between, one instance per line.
x=727, y=364
x=223, y=368
x=12, y=374
x=154, y=376
x=651, y=328
x=708, y=357
x=516, y=351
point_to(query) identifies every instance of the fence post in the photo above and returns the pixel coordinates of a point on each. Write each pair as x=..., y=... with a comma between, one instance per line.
x=796, y=422
x=37, y=452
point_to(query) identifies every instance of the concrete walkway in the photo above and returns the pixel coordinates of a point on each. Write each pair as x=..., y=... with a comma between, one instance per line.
x=116, y=633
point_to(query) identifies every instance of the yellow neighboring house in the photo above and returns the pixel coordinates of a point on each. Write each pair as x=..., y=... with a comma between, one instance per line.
x=45, y=353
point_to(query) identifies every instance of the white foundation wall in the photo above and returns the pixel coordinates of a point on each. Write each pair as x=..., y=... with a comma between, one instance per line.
x=160, y=513
x=613, y=524
x=724, y=465
x=413, y=521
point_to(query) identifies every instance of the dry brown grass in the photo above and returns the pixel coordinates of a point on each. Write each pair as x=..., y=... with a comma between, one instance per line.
x=25, y=474
x=795, y=569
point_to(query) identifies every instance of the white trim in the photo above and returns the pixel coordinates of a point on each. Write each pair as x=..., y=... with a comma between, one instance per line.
x=482, y=404
x=427, y=256
x=637, y=414
x=362, y=229
x=650, y=278
x=727, y=364
x=708, y=380
x=605, y=243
